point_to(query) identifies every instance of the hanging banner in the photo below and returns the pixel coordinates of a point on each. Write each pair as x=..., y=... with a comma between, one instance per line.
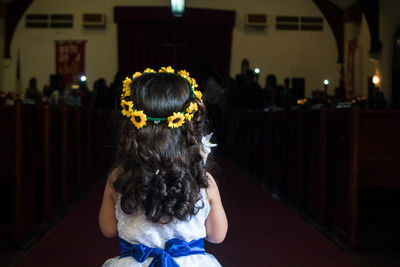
x=70, y=60
x=352, y=45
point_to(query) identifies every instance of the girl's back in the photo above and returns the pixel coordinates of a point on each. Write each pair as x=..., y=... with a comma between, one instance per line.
x=159, y=198
x=137, y=229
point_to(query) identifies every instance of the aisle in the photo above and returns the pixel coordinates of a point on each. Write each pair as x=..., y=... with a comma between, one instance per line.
x=262, y=232
x=76, y=240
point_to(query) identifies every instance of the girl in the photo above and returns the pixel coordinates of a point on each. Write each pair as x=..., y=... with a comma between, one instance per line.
x=159, y=199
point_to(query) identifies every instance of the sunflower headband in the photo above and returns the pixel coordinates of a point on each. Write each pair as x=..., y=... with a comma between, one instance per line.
x=177, y=119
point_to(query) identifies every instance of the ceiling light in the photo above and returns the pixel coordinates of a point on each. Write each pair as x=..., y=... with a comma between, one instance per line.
x=177, y=7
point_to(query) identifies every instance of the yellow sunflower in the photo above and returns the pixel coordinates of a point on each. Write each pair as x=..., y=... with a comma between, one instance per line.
x=137, y=74
x=148, y=70
x=127, y=83
x=189, y=116
x=193, y=82
x=176, y=120
x=126, y=91
x=192, y=107
x=198, y=94
x=184, y=74
x=168, y=69
x=138, y=118
x=126, y=108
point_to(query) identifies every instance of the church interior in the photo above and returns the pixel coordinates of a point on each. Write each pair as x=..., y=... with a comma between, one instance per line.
x=302, y=96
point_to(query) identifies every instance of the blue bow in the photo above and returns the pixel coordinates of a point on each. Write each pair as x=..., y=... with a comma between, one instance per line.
x=162, y=257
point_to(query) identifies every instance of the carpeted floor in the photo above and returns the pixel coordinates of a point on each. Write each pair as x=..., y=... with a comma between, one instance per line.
x=262, y=232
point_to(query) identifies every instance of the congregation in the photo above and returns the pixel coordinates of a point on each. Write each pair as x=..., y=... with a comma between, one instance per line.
x=221, y=93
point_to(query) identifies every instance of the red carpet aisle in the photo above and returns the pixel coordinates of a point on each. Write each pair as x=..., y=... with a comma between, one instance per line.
x=76, y=240
x=262, y=232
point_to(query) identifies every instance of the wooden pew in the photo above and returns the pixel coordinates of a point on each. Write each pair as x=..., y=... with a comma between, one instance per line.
x=7, y=166
x=266, y=159
x=379, y=148
x=110, y=124
x=315, y=165
x=104, y=132
x=365, y=213
x=28, y=170
x=343, y=168
x=256, y=169
x=338, y=158
x=280, y=153
x=239, y=137
x=21, y=161
x=233, y=134
x=47, y=154
x=90, y=146
x=249, y=139
x=68, y=182
x=296, y=184
x=81, y=147
x=242, y=137
x=52, y=121
x=253, y=143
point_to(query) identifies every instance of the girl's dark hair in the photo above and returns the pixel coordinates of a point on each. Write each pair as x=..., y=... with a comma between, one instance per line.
x=162, y=170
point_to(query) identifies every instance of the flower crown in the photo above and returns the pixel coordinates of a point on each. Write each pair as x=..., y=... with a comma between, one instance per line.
x=177, y=119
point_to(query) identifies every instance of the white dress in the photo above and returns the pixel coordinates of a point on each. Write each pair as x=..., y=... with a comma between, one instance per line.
x=137, y=229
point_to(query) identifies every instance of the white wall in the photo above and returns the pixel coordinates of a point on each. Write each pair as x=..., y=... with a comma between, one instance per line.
x=389, y=13
x=365, y=65
x=312, y=55
x=369, y=66
x=2, y=42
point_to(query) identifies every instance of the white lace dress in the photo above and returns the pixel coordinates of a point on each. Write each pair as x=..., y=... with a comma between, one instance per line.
x=137, y=229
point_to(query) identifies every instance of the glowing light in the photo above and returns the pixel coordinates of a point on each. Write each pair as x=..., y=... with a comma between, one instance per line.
x=302, y=101
x=376, y=79
x=326, y=82
x=257, y=70
x=83, y=78
x=177, y=7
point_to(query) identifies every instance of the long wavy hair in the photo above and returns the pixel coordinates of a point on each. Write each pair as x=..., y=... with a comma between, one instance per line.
x=162, y=170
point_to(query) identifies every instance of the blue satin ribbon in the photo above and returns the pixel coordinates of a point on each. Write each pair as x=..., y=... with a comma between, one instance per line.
x=162, y=257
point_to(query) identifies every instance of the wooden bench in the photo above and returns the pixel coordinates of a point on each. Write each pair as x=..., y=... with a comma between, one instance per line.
x=52, y=161
x=21, y=162
x=340, y=168
x=48, y=156
x=266, y=161
x=296, y=138
x=315, y=164
x=368, y=186
x=279, y=153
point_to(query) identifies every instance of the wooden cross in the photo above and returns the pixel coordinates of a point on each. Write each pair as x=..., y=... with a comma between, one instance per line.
x=174, y=45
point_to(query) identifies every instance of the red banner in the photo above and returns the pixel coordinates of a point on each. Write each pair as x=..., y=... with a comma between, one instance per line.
x=70, y=60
